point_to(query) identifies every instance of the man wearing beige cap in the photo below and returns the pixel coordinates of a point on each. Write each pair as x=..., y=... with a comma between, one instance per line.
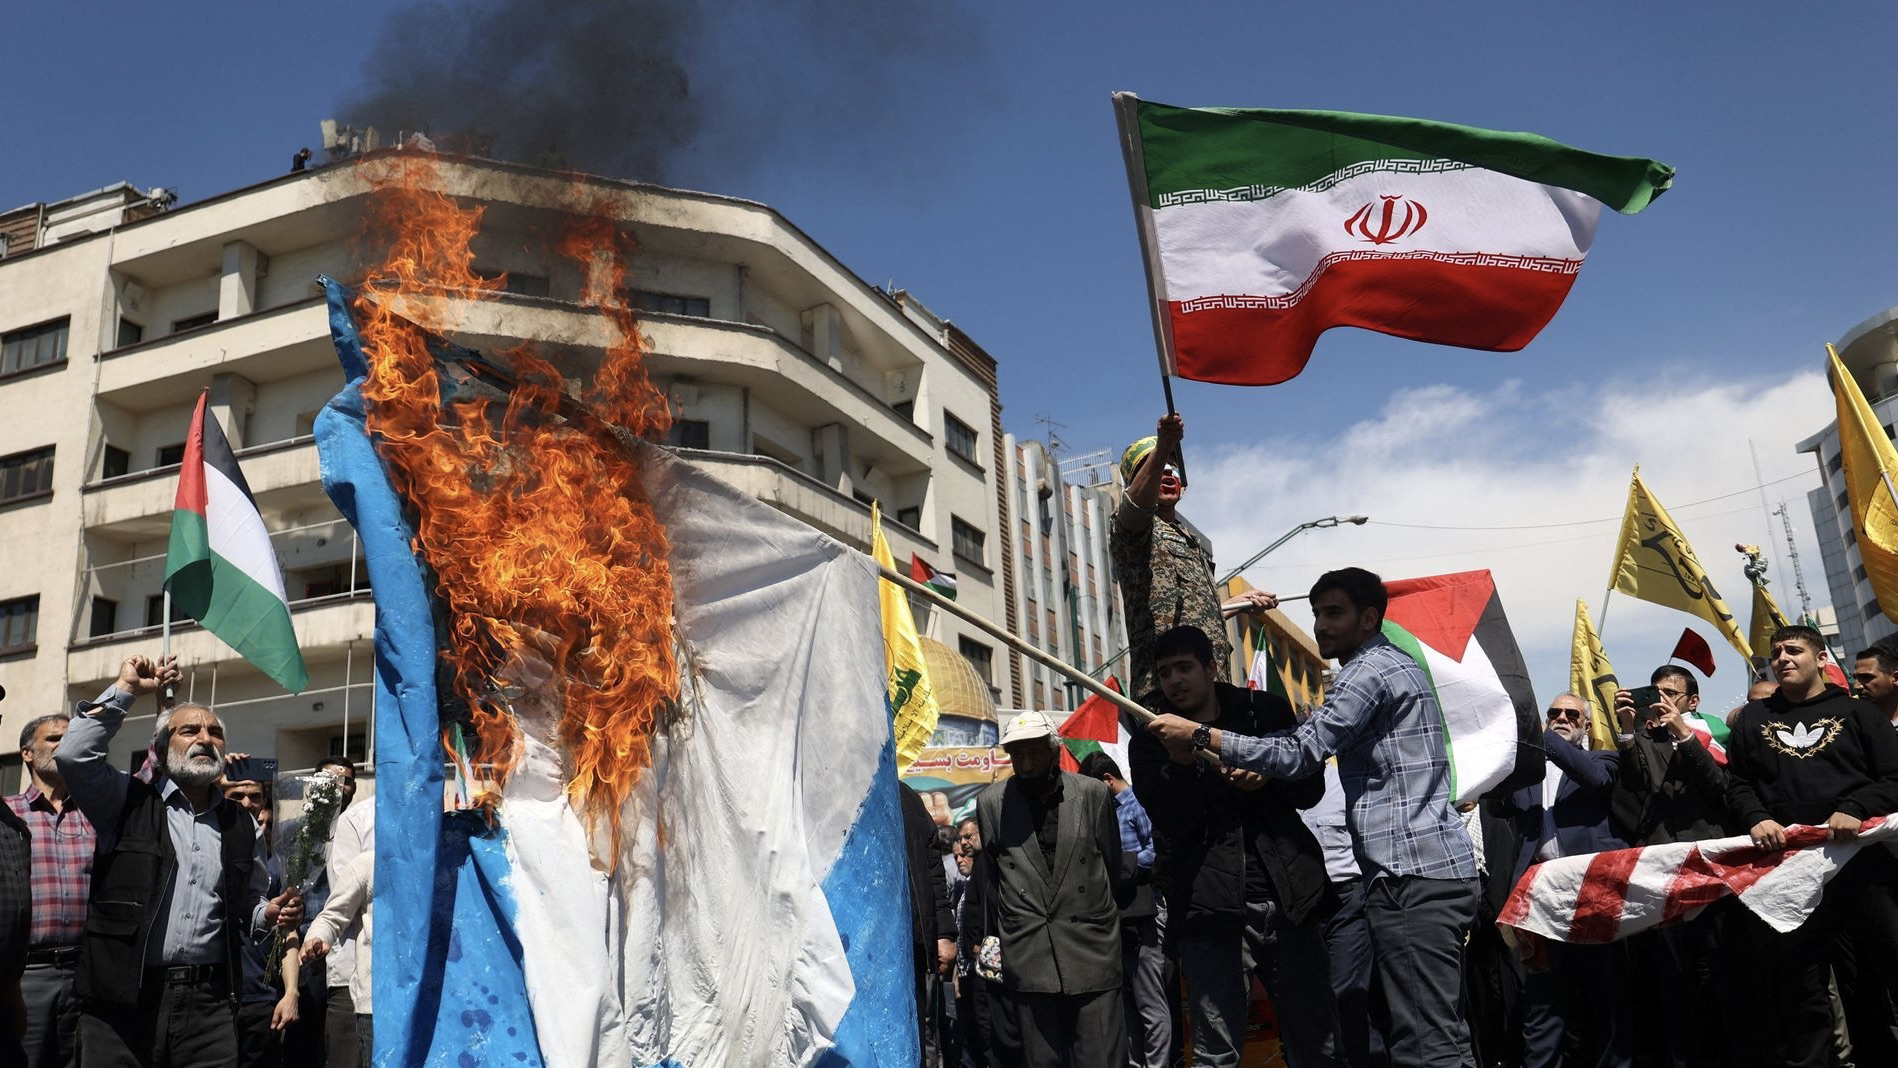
x=1051, y=855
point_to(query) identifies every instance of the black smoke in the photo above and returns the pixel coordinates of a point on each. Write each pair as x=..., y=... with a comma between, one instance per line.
x=677, y=92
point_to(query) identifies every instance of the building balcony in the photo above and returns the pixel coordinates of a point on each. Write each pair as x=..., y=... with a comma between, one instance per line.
x=322, y=623
x=265, y=346
x=281, y=474
x=803, y=497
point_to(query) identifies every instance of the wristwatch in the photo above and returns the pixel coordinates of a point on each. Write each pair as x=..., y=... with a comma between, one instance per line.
x=1202, y=737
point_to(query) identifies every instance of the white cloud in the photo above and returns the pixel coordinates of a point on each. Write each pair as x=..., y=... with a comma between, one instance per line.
x=1516, y=457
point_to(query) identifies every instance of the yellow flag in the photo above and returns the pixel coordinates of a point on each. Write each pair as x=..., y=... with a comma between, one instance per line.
x=1655, y=563
x=1767, y=618
x=912, y=702
x=1592, y=678
x=1870, y=465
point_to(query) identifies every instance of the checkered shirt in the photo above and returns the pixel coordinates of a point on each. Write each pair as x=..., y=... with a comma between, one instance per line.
x=1382, y=720
x=63, y=844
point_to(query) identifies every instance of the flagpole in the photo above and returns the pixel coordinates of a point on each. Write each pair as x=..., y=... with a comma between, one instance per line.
x=171, y=692
x=1087, y=682
x=1126, y=117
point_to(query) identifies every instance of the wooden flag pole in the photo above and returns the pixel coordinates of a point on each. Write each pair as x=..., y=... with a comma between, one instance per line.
x=1127, y=704
x=1127, y=118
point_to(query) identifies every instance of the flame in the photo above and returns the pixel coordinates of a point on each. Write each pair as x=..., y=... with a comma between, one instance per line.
x=534, y=522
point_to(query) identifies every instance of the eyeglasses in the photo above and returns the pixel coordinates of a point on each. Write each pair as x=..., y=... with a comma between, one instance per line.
x=1558, y=714
x=1675, y=694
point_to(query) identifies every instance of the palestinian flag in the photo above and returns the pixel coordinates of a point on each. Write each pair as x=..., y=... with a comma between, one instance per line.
x=220, y=567
x=1263, y=229
x=942, y=582
x=1096, y=727
x=1454, y=626
x=1265, y=675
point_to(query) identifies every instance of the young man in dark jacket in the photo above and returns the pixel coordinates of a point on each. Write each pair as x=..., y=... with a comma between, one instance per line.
x=1244, y=879
x=1811, y=754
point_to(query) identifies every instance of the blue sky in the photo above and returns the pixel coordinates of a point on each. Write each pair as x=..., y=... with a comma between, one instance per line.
x=972, y=160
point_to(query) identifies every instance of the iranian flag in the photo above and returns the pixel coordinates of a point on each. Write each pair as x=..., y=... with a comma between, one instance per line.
x=1263, y=229
x=1455, y=628
x=220, y=566
x=1096, y=727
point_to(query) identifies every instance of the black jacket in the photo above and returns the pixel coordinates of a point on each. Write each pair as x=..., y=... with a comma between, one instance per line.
x=1799, y=762
x=128, y=889
x=1200, y=823
x=929, y=914
x=1582, y=804
x=1669, y=793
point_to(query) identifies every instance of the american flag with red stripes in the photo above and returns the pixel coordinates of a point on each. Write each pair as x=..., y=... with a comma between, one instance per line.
x=1601, y=897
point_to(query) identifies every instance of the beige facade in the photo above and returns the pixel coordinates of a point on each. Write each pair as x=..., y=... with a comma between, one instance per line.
x=790, y=377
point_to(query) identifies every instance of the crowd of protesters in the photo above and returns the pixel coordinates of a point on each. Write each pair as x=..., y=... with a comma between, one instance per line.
x=1103, y=917
x=139, y=913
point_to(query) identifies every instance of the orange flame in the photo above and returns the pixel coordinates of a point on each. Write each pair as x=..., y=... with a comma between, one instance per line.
x=548, y=560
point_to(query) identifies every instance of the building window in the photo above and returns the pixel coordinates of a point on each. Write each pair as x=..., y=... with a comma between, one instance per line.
x=959, y=437
x=1873, y=611
x=1858, y=573
x=114, y=462
x=672, y=303
x=34, y=346
x=910, y=517
x=1851, y=534
x=906, y=409
x=690, y=434
x=105, y=617
x=967, y=541
x=130, y=333
x=193, y=322
x=1027, y=539
x=155, y=611
x=1041, y=694
x=19, y=624
x=1838, y=461
x=26, y=474
x=171, y=455
x=1054, y=629
x=979, y=655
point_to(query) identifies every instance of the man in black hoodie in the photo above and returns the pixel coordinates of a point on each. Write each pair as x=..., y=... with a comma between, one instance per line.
x=1244, y=879
x=1812, y=754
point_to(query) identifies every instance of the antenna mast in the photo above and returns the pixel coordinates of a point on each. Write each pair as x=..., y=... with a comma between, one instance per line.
x=1792, y=550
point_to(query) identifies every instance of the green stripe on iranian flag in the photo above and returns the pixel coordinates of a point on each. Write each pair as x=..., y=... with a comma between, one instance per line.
x=1252, y=152
x=1266, y=228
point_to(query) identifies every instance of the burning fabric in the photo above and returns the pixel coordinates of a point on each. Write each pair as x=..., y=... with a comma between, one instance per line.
x=665, y=698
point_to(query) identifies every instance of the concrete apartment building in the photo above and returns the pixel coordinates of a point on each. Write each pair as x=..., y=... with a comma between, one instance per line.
x=1065, y=594
x=790, y=377
x=1870, y=352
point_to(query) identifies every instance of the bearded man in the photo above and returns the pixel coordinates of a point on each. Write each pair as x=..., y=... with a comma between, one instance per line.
x=179, y=879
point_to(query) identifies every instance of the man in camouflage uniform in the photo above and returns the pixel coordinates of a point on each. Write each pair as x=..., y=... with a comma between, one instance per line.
x=1165, y=572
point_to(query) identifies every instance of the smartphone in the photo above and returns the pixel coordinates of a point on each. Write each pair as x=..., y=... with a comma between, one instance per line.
x=251, y=769
x=1645, y=698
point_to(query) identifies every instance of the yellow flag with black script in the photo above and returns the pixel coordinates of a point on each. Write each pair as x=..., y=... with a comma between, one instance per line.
x=1767, y=618
x=1869, y=465
x=912, y=701
x=1592, y=678
x=1655, y=563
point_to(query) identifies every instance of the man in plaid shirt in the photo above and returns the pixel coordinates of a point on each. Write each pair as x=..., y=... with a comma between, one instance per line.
x=63, y=843
x=1382, y=720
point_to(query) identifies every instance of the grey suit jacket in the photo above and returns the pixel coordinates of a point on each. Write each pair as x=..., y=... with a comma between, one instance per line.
x=1060, y=927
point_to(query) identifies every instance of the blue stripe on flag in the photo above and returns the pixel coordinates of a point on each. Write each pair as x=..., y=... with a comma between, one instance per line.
x=878, y=1030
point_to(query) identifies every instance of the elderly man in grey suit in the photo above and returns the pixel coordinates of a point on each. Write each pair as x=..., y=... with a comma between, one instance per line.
x=1052, y=846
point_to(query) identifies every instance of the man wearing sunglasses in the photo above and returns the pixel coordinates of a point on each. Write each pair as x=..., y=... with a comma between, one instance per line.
x=1583, y=1001
x=1672, y=788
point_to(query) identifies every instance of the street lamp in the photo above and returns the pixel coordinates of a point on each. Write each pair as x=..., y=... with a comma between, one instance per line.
x=1316, y=524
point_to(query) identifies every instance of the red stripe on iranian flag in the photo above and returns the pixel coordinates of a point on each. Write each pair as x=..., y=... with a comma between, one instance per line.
x=1604, y=890
x=236, y=530
x=1260, y=341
